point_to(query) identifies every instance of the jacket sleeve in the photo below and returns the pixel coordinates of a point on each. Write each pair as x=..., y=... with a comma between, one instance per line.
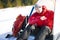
x=51, y=20
x=32, y=20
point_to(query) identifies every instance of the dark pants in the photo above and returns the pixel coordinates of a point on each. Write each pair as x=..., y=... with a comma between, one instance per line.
x=42, y=33
x=39, y=33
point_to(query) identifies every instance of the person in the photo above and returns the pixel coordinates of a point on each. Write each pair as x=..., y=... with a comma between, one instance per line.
x=17, y=26
x=40, y=22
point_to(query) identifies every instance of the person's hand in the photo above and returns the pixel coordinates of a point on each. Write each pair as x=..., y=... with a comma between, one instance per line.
x=43, y=18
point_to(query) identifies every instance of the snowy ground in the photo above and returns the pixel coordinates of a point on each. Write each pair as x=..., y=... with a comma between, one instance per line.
x=2, y=37
x=57, y=18
x=7, y=18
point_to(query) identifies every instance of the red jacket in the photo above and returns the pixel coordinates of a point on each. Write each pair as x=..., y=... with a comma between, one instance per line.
x=44, y=18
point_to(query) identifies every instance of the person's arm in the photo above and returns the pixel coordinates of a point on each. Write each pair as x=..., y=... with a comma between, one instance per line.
x=51, y=20
x=32, y=18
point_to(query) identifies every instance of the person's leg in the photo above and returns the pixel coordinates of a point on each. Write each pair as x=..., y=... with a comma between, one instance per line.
x=42, y=33
x=25, y=34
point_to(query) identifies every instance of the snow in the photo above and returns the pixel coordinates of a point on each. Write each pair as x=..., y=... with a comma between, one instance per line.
x=2, y=37
x=7, y=18
x=56, y=28
x=57, y=18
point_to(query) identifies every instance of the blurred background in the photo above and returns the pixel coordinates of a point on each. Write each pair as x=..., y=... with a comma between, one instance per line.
x=14, y=3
